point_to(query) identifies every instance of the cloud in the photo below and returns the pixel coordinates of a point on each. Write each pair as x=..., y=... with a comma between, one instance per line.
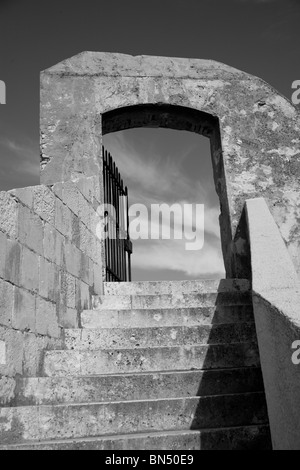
x=155, y=176
x=171, y=255
x=152, y=176
x=19, y=163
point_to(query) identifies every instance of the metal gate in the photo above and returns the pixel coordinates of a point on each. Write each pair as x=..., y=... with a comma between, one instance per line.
x=118, y=248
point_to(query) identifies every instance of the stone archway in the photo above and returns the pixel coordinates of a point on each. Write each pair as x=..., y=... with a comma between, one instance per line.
x=184, y=119
x=258, y=145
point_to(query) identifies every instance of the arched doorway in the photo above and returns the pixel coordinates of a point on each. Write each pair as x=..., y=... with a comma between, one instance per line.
x=137, y=120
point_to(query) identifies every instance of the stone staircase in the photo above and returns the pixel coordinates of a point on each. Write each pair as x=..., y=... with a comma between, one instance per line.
x=156, y=365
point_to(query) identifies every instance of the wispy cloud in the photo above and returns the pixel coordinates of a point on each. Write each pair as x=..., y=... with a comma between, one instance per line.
x=19, y=162
x=171, y=255
x=156, y=177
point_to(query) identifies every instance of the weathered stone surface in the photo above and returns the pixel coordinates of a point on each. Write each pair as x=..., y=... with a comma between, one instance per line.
x=30, y=230
x=172, y=287
x=6, y=303
x=46, y=319
x=142, y=386
x=7, y=385
x=53, y=244
x=115, y=338
x=9, y=214
x=13, y=255
x=14, y=347
x=29, y=270
x=48, y=280
x=24, y=310
x=83, y=420
x=114, y=361
x=178, y=300
x=44, y=203
x=276, y=307
x=166, y=317
x=238, y=438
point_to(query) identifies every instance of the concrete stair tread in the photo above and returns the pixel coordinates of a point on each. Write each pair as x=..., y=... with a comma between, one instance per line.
x=145, y=400
x=193, y=316
x=156, y=287
x=145, y=434
x=174, y=300
x=103, y=361
x=235, y=438
x=141, y=337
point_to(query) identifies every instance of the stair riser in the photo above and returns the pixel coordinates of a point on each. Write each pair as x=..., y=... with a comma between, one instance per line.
x=244, y=438
x=51, y=391
x=118, y=302
x=173, y=287
x=158, y=337
x=166, y=317
x=59, y=363
x=76, y=421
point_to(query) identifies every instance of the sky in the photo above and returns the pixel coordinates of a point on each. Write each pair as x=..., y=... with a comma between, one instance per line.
x=260, y=37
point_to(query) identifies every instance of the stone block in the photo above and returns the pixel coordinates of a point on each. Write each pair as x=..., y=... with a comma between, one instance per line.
x=76, y=230
x=98, y=279
x=72, y=257
x=68, y=318
x=84, y=295
x=44, y=203
x=70, y=196
x=84, y=210
x=7, y=389
x=67, y=290
x=24, y=305
x=9, y=214
x=14, y=352
x=31, y=230
x=6, y=303
x=48, y=280
x=85, y=239
x=57, y=189
x=2, y=353
x=24, y=195
x=63, y=219
x=86, y=187
x=13, y=262
x=53, y=244
x=84, y=269
x=3, y=238
x=46, y=319
x=29, y=270
x=34, y=347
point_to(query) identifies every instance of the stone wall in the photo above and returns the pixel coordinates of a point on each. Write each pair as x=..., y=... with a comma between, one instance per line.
x=50, y=266
x=276, y=300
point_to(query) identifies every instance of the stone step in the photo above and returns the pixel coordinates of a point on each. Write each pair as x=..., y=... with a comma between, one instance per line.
x=95, y=419
x=113, y=361
x=173, y=287
x=115, y=338
x=142, y=386
x=135, y=318
x=256, y=437
x=176, y=300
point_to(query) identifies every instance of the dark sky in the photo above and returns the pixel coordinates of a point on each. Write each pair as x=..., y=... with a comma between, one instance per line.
x=258, y=36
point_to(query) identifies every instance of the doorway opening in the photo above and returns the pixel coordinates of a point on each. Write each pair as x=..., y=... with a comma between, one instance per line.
x=161, y=162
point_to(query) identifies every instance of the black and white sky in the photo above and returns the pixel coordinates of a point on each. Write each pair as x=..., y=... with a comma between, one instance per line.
x=261, y=37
